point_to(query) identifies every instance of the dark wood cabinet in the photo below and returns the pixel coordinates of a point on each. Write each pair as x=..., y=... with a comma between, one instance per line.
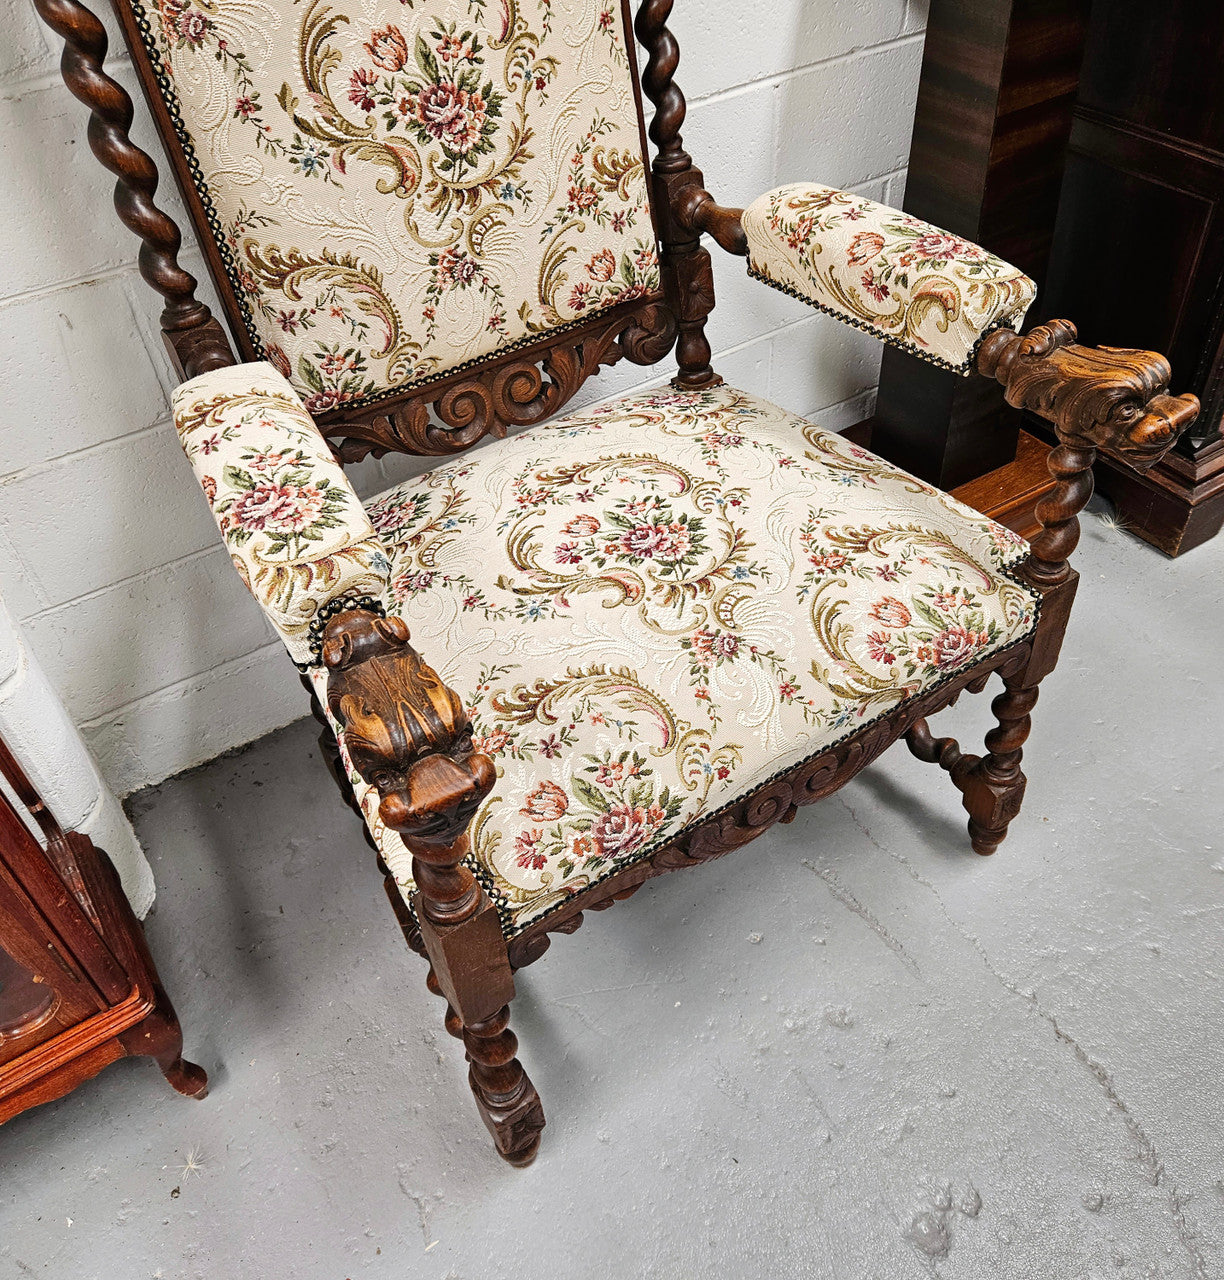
x=77, y=984
x=1085, y=143
x=1138, y=252
x=991, y=124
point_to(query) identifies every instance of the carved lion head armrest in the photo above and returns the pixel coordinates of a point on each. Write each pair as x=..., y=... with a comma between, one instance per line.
x=1107, y=398
x=409, y=736
x=1098, y=398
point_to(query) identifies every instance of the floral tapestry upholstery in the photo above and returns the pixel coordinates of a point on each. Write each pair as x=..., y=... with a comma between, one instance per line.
x=400, y=187
x=656, y=606
x=917, y=287
x=296, y=531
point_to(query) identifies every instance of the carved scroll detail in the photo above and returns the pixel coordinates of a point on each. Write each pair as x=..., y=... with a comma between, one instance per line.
x=517, y=391
x=196, y=339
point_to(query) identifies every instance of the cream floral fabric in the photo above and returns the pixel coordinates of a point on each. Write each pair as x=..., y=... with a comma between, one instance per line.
x=656, y=606
x=296, y=531
x=919, y=288
x=398, y=187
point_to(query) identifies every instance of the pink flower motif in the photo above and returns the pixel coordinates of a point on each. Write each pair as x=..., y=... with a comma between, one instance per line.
x=491, y=744
x=864, y=247
x=579, y=295
x=877, y=289
x=947, y=600
x=410, y=583
x=940, y=245
x=610, y=773
x=581, y=198
x=277, y=508
x=657, y=541
x=527, y=855
x=455, y=267
x=270, y=459
x=624, y=828
x=828, y=561
x=891, y=612
x=602, y=266
x=453, y=49
x=953, y=646
x=360, y=84
x=192, y=26
x=877, y=647
x=710, y=647
x=388, y=48
x=582, y=526
x=787, y=691
x=568, y=553
x=801, y=233
x=452, y=116
x=546, y=803
x=335, y=364
x=323, y=401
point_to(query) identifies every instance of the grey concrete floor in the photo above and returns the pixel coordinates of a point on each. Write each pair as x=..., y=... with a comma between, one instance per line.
x=852, y=1050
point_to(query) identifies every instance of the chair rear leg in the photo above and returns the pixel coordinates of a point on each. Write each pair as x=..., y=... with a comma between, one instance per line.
x=992, y=787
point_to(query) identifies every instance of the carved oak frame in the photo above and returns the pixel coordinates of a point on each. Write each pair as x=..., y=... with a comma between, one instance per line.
x=407, y=731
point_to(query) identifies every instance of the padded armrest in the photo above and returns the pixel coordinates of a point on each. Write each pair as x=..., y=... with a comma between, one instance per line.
x=911, y=284
x=296, y=532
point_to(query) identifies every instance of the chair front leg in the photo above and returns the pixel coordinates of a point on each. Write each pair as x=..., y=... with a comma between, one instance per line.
x=409, y=737
x=470, y=969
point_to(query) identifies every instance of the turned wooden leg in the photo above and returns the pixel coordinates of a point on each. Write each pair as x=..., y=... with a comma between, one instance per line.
x=454, y=1025
x=507, y=1099
x=160, y=1037
x=993, y=787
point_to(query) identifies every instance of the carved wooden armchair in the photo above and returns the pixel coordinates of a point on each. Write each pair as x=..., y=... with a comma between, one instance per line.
x=652, y=629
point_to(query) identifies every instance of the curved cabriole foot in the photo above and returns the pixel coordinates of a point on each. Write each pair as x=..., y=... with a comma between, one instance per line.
x=507, y=1099
x=160, y=1037
x=189, y=1079
x=993, y=787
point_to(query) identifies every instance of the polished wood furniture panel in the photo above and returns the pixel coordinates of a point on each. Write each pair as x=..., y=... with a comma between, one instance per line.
x=78, y=988
x=990, y=130
x=1139, y=240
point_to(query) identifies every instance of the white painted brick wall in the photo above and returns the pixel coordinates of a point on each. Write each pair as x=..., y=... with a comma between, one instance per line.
x=107, y=553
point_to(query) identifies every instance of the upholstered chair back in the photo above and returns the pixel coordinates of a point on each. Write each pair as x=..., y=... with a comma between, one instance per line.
x=397, y=189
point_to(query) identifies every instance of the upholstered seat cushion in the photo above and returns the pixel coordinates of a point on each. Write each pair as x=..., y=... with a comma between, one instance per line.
x=656, y=606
